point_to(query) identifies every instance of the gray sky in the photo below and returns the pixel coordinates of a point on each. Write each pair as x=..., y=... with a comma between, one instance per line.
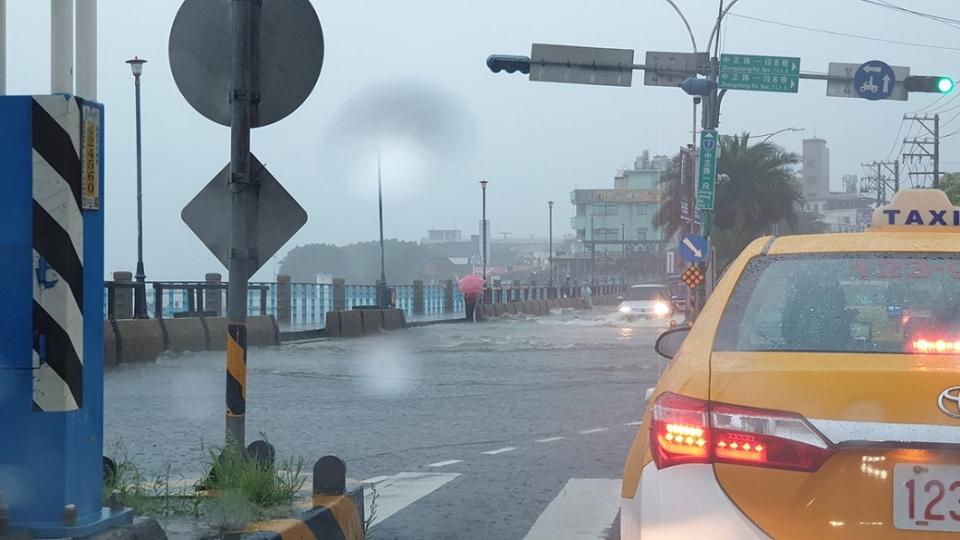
x=457, y=122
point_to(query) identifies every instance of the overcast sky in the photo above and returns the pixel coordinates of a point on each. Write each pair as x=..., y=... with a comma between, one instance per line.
x=411, y=76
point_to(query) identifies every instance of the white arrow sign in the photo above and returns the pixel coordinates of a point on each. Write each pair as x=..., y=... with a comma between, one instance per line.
x=696, y=252
x=886, y=83
x=872, y=69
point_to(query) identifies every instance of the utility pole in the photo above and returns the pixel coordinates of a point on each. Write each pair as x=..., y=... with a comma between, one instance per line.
x=879, y=181
x=925, y=148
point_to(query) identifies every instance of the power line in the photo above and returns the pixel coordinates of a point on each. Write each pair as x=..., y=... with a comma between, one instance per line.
x=938, y=18
x=843, y=34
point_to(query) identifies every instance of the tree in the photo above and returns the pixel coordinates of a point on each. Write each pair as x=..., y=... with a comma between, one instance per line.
x=762, y=191
x=950, y=184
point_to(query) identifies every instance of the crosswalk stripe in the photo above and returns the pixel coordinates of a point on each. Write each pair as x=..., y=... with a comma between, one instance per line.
x=548, y=439
x=594, y=430
x=445, y=463
x=583, y=509
x=375, y=479
x=500, y=450
x=400, y=491
x=635, y=423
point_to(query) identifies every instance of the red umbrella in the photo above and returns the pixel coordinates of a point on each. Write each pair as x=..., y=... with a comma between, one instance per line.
x=471, y=284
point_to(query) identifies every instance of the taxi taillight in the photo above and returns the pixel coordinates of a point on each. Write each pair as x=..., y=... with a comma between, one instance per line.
x=690, y=430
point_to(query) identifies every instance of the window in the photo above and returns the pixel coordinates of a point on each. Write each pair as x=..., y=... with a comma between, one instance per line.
x=641, y=209
x=606, y=234
x=604, y=209
x=642, y=233
x=648, y=293
x=884, y=303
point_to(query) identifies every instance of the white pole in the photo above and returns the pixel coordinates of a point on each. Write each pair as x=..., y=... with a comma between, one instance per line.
x=61, y=46
x=87, y=49
x=3, y=47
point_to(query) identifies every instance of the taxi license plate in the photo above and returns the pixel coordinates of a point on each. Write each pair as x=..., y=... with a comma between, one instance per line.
x=926, y=497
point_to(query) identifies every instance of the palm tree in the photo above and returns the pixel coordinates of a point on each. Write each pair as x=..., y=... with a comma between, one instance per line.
x=762, y=191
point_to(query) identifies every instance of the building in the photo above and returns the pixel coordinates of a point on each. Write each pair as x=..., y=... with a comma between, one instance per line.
x=438, y=236
x=615, y=226
x=815, y=173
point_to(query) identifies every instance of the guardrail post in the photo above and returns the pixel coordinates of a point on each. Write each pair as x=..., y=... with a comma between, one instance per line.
x=123, y=296
x=418, y=297
x=213, y=294
x=448, y=296
x=283, y=299
x=339, y=294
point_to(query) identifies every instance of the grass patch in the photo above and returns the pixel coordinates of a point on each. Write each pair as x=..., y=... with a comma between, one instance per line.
x=239, y=489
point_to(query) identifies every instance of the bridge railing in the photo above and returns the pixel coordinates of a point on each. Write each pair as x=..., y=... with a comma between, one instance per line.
x=306, y=304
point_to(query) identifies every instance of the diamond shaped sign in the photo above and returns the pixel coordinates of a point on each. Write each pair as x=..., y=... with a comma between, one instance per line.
x=279, y=216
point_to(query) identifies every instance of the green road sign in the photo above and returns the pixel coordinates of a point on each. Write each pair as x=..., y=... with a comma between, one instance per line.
x=707, y=174
x=763, y=73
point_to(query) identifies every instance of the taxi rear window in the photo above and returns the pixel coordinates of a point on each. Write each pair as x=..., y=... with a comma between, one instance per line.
x=850, y=302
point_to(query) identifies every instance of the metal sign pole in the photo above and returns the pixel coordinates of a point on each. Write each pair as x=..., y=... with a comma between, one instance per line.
x=243, y=213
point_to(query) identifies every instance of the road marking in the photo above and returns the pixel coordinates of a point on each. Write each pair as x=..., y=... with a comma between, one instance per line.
x=500, y=450
x=548, y=439
x=635, y=423
x=445, y=463
x=400, y=491
x=594, y=430
x=583, y=509
x=375, y=479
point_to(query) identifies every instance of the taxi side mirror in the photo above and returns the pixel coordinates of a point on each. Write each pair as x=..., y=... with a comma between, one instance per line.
x=670, y=341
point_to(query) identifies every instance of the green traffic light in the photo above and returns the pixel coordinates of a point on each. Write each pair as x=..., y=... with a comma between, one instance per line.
x=944, y=85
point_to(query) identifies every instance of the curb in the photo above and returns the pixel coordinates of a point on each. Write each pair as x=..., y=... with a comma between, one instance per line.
x=333, y=517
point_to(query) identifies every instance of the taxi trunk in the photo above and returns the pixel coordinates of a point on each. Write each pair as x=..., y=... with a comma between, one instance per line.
x=837, y=457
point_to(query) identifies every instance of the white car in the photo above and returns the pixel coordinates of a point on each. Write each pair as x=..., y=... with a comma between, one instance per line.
x=647, y=301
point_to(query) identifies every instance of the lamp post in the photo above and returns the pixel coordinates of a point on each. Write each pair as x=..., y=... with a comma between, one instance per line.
x=550, y=254
x=483, y=229
x=767, y=136
x=382, y=299
x=140, y=294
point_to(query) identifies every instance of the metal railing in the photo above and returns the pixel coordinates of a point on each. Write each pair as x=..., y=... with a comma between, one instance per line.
x=310, y=302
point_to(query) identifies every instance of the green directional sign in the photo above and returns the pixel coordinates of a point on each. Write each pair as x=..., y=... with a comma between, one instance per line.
x=707, y=172
x=762, y=73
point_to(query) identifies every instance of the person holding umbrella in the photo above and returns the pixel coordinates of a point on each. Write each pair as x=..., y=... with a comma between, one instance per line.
x=471, y=286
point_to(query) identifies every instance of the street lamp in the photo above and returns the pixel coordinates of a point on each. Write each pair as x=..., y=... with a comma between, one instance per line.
x=483, y=228
x=140, y=295
x=382, y=299
x=766, y=136
x=550, y=254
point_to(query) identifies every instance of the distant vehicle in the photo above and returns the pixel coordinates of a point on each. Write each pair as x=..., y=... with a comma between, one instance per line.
x=648, y=302
x=818, y=394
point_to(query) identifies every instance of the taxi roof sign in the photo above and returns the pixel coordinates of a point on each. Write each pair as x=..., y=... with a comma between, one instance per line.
x=910, y=209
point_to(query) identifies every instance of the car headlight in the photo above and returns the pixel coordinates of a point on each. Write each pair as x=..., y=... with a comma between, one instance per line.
x=625, y=309
x=660, y=308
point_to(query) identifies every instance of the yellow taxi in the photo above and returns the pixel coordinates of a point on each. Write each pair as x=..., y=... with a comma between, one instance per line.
x=818, y=393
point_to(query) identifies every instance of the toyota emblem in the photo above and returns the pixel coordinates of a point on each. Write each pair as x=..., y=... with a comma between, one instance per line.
x=949, y=401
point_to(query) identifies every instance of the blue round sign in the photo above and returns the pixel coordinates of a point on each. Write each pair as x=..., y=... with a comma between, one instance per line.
x=874, y=80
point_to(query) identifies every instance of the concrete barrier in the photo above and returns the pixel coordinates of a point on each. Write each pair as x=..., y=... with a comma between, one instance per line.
x=332, y=323
x=141, y=340
x=263, y=331
x=185, y=334
x=351, y=323
x=372, y=321
x=499, y=309
x=393, y=319
x=110, y=358
x=511, y=308
x=216, y=333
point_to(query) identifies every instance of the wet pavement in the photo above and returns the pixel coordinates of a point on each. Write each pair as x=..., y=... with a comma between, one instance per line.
x=488, y=430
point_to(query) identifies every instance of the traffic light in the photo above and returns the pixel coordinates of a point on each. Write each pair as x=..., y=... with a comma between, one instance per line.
x=940, y=85
x=508, y=63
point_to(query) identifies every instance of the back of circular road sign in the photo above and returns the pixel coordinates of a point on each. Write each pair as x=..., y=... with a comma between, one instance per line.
x=288, y=55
